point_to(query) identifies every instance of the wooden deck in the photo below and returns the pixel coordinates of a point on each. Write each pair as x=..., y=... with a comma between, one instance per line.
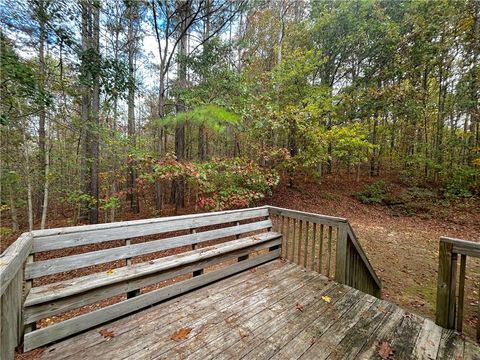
x=274, y=311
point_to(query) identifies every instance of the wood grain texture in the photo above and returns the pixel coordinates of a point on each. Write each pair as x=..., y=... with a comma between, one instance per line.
x=58, y=265
x=53, y=239
x=12, y=259
x=72, y=326
x=257, y=316
x=86, y=294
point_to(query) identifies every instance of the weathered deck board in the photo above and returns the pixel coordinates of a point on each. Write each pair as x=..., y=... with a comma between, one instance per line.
x=198, y=302
x=276, y=312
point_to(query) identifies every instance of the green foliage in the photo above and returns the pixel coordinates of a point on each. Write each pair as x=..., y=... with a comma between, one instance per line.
x=111, y=202
x=211, y=116
x=78, y=197
x=463, y=182
x=5, y=231
x=373, y=193
x=351, y=144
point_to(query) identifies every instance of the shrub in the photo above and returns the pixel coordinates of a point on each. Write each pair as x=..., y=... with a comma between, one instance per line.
x=234, y=183
x=463, y=182
x=373, y=193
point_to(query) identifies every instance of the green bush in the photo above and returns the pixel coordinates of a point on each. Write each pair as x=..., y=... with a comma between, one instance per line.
x=463, y=182
x=373, y=193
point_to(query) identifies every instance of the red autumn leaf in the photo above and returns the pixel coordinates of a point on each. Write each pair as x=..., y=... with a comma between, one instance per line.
x=181, y=334
x=385, y=350
x=107, y=333
x=299, y=306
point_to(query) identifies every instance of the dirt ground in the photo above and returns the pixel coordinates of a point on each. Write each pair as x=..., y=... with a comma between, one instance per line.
x=403, y=249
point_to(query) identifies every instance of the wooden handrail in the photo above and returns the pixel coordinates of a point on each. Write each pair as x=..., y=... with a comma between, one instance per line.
x=362, y=254
x=11, y=294
x=450, y=308
x=351, y=263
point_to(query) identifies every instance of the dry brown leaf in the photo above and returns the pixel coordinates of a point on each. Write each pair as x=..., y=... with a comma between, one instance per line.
x=181, y=334
x=299, y=306
x=385, y=350
x=243, y=333
x=107, y=333
x=253, y=270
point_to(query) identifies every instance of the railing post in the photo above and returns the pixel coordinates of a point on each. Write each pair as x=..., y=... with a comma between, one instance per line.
x=341, y=256
x=446, y=286
x=195, y=247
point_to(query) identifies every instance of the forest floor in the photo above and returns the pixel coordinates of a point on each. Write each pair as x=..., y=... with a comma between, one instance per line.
x=401, y=240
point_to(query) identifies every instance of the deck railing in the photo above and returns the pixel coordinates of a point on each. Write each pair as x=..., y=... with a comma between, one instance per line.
x=39, y=278
x=12, y=294
x=451, y=282
x=327, y=245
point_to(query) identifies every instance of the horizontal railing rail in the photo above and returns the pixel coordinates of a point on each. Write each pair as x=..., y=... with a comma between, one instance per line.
x=451, y=281
x=327, y=245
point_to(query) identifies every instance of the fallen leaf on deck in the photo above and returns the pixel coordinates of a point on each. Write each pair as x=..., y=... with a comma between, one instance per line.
x=181, y=334
x=299, y=306
x=107, y=333
x=253, y=270
x=109, y=272
x=385, y=350
x=243, y=333
x=327, y=299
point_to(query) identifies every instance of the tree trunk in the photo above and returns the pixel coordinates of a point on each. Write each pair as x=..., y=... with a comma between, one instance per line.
x=133, y=196
x=28, y=180
x=374, y=168
x=47, y=183
x=94, y=127
x=85, y=110
x=13, y=208
x=179, y=185
x=42, y=112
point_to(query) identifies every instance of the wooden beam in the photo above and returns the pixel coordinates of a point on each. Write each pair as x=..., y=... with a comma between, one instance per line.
x=445, y=282
x=54, y=239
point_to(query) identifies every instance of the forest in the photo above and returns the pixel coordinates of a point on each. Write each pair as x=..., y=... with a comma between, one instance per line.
x=110, y=109
x=360, y=118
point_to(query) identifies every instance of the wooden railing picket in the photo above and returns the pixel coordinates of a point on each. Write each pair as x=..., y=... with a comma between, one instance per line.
x=450, y=299
x=312, y=254
x=299, y=254
x=329, y=257
x=350, y=262
x=342, y=255
x=320, y=250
